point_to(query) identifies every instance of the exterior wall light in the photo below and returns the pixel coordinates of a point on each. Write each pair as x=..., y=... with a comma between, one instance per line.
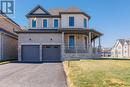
x=30, y=39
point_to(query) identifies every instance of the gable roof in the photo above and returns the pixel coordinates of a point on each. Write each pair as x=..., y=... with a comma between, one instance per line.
x=76, y=13
x=5, y=16
x=32, y=12
x=127, y=41
x=122, y=41
x=54, y=13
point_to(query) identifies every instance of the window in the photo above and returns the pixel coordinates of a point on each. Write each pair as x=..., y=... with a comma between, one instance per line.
x=85, y=23
x=33, y=23
x=55, y=23
x=119, y=47
x=44, y=23
x=71, y=42
x=71, y=21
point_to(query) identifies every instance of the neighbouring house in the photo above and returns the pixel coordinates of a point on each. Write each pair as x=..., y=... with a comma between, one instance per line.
x=121, y=49
x=105, y=52
x=8, y=38
x=57, y=36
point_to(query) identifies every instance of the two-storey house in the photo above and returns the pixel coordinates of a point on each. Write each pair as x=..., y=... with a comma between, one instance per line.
x=57, y=37
x=121, y=49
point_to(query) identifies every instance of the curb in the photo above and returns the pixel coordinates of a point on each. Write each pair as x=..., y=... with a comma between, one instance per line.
x=69, y=84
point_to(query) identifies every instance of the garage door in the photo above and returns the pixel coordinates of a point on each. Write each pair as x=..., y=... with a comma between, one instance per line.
x=51, y=53
x=30, y=53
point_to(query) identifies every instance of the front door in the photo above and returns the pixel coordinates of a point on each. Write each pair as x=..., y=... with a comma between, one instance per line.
x=71, y=42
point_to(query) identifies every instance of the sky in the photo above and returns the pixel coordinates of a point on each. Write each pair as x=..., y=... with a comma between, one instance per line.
x=111, y=17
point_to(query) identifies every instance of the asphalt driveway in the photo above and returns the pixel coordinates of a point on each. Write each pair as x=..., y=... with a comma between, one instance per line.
x=32, y=75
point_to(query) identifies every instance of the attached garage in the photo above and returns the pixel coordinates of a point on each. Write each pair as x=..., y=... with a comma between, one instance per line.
x=51, y=53
x=30, y=53
x=40, y=46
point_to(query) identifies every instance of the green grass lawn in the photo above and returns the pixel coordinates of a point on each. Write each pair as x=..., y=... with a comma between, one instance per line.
x=99, y=73
x=7, y=61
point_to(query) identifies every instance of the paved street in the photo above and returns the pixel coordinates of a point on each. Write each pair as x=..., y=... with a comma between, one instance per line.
x=32, y=75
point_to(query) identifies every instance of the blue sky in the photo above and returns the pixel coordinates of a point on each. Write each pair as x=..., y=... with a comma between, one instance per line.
x=111, y=17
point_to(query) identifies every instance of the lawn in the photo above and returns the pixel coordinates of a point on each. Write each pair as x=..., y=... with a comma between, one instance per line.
x=4, y=62
x=99, y=73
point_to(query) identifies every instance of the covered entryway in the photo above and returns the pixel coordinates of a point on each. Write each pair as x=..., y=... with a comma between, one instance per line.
x=51, y=53
x=30, y=53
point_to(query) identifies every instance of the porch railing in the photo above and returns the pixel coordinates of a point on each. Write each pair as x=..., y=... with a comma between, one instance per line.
x=79, y=49
x=76, y=49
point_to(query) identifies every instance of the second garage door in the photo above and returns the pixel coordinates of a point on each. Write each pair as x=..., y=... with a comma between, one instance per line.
x=51, y=53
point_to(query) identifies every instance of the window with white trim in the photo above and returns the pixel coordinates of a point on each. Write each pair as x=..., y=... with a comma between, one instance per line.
x=71, y=21
x=45, y=24
x=33, y=23
x=56, y=23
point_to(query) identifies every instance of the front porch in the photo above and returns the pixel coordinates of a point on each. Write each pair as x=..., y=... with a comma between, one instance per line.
x=84, y=45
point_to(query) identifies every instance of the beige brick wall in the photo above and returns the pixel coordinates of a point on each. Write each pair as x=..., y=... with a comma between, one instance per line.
x=41, y=38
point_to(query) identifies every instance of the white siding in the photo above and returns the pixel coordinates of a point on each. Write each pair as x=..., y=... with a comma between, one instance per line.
x=120, y=50
x=125, y=50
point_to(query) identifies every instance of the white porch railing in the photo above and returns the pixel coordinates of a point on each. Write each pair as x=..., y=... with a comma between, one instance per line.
x=79, y=49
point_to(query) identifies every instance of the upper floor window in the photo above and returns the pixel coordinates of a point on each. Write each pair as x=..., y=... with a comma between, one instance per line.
x=33, y=23
x=119, y=47
x=45, y=23
x=85, y=23
x=55, y=23
x=71, y=21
